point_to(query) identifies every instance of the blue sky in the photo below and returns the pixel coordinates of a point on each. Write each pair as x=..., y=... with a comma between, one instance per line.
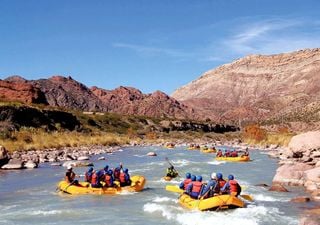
x=147, y=44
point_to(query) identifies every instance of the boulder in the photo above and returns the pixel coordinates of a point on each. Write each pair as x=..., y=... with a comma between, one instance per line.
x=312, y=175
x=309, y=221
x=83, y=158
x=4, y=156
x=151, y=154
x=305, y=141
x=278, y=188
x=300, y=199
x=13, y=164
x=101, y=158
x=30, y=164
x=291, y=174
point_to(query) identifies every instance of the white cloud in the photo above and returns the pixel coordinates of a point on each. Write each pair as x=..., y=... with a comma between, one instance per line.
x=150, y=50
x=271, y=36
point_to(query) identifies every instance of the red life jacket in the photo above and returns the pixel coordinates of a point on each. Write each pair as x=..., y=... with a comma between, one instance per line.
x=108, y=180
x=122, y=178
x=94, y=178
x=196, y=186
x=186, y=182
x=88, y=177
x=233, y=186
x=222, y=183
x=116, y=173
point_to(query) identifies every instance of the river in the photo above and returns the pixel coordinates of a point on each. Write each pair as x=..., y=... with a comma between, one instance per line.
x=30, y=197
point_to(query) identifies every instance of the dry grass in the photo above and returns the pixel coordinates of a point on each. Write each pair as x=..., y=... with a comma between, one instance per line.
x=281, y=139
x=30, y=139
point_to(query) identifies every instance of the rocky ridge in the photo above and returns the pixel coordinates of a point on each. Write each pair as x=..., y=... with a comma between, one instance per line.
x=256, y=87
x=67, y=93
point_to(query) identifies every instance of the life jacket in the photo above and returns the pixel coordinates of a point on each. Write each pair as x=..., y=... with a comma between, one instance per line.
x=196, y=186
x=122, y=178
x=222, y=183
x=88, y=177
x=186, y=182
x=94, y=178
x=233, y=186
x=107, y=180
x=116, y=173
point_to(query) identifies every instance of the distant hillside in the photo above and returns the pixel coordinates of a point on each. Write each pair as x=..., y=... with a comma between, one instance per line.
x=257, y=88
x=67, y=93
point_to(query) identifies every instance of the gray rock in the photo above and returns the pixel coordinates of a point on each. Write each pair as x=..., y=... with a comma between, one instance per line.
x=30, y=165
x=4, y=156
x=82, y=158
x=13, y=164
x=151, y=154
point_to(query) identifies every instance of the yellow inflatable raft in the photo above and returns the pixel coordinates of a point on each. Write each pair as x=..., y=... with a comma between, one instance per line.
x=214, y=203
x=234, y=159
x=209, y=151
x=137, y=184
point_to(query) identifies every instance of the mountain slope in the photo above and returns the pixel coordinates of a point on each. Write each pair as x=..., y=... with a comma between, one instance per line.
x=256, y=87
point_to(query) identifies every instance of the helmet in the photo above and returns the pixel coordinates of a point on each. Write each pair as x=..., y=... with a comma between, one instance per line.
x=193, y=177
x=230, y=177
x=188, y=175
x=219, y=175
x=69, y=167
x=213, y=175
x=171, y=167
x=106, y=168
x=110, y=172
x=199, y=178
x=125, y=170
x=90, y=169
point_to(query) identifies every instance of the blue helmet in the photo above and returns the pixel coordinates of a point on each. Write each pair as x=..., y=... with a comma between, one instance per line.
x=193, y=177
x=230, y=177
x=106, y=168
x=199, y=178
x=188, y=175
x=110, y=172
x=90, y=170
x=125, y=170
x=219, y=175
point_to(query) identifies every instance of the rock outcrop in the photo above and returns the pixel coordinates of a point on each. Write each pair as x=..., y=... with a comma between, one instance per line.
x=17, y=89
x=4, y=156
x=131, y=101
x=299, y=163
x=258, y=87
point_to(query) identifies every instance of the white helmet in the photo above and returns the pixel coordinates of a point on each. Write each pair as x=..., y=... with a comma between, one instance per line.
x=69, y=167
x=213, y=175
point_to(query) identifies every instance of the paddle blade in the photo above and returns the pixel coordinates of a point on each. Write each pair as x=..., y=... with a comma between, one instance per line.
x=247, y=197
x=174, y=188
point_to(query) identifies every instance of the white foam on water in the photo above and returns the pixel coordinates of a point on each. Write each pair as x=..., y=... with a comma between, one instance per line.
x=7, y=207
x=161, y=199
x=216, y=162
x=181, y=162
x=252, y=215
x=139, y=156
x=120, y=150
x=265, y=198
x=45, y=213
x=140, y=170
x=124, y=192
x=163, y=181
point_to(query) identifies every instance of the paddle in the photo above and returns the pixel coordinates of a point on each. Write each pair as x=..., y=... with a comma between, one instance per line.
x=172, y=166
x=247, y=197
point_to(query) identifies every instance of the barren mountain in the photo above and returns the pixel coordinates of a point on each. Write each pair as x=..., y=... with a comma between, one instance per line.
x=256, y=86
x=65, y=92
x=127, y=100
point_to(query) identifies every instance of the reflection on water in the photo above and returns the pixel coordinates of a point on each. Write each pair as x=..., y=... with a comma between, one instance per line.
x=30, y=197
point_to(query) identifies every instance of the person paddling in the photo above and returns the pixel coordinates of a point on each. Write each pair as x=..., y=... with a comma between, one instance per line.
x=211, y=188
x=70, y=176
x=183, y=185
x=171, y=172
x=195, y=187
x=232, y=186
x=88, y=175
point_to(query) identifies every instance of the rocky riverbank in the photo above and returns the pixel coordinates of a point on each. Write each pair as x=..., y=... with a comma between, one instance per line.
x=300, y=166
